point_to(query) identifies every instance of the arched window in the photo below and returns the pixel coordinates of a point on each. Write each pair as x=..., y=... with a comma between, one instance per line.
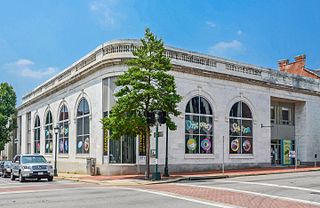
x=37, y=135
x=64, y=130
x=48, y=130
x=198, y=127
x=83, y=127
x=240, y=129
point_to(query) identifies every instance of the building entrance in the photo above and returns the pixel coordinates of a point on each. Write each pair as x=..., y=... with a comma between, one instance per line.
x=275, y=152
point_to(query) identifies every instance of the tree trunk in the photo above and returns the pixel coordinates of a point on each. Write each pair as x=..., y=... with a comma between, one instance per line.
x=147, y=172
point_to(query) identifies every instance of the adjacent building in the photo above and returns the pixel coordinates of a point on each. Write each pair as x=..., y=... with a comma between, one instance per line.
x=232, y=113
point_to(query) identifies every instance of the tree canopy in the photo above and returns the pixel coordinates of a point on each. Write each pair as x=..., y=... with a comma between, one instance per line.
x=7, y=112
x=145, y=87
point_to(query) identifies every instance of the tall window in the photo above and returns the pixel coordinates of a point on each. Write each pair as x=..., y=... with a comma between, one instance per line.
x=64, y=130
x=240, y=131
x=48, y=133
x=37, y=135
x=198, y=127
x=83, y=127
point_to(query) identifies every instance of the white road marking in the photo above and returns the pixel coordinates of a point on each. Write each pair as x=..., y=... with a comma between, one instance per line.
x=47, y=190
x=274, y=185
x=213, y=204
x=254, y=193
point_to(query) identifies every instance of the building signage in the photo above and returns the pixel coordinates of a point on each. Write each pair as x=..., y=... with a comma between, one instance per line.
x=105, y=142
x=286, y=148
x=142, y=145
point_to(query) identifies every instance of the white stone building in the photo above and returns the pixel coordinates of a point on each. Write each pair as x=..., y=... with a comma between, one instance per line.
x=239, y=114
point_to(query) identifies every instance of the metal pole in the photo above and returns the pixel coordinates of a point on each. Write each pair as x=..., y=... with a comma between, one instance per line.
x=156, y=174
x=296, y=149
x=166, y=171
x=223, y=155
x=157, y=132
x=55, y=157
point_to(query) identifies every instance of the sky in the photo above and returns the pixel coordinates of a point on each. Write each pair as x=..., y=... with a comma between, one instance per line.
x=39, y=38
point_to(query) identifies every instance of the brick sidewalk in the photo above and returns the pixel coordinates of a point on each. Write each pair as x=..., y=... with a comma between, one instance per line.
x=227, y=197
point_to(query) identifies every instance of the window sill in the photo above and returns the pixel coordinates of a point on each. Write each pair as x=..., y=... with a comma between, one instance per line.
x=48, y=155
x=63, y=155
x=82, y=156
x=199, y=156
x=249, y=156
x=122, y=164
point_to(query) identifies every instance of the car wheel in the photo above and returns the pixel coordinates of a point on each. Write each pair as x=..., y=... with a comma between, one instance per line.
x=12, y=177
x=50, y=179
x=21, y=178
x=3, y=175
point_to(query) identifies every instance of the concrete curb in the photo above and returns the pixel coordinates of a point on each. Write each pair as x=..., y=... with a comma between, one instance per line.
x=139, y=182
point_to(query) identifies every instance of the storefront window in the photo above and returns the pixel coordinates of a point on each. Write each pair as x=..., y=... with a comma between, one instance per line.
x=64, y=130
x=123, y=150
x=240, y=129
x=37, y=135
x=198, y=127
x=83, y=127
x=48, y=133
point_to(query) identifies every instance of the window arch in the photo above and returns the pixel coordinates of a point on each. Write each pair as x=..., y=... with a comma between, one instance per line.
x=240, y=129
x=48, y=130
x=64, y=130
x=83, y=127
x=198, y=126
x=37, y=135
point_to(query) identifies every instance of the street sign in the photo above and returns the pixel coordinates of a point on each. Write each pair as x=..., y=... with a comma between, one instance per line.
x=292, y=154
x=160, y=134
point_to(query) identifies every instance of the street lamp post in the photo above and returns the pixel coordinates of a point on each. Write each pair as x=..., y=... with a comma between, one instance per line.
x=156, y=175
x=166, y=171
x=56, y=131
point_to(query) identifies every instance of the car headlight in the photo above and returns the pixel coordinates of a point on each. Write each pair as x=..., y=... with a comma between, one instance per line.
x=50, y=167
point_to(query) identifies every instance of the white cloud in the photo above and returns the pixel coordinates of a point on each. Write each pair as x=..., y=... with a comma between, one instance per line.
x=227, y=48
x=23, y=68
x=210, y=24
x=239, y=32
x=23, y=62
x=105, y=12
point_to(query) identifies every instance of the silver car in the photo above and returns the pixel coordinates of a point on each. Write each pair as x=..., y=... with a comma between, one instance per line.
x=26, y=166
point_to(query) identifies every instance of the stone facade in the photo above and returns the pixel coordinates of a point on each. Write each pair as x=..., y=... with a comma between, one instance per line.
x=221, y=82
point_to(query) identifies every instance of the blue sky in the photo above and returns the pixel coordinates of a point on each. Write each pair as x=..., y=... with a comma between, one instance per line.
x=39, y=38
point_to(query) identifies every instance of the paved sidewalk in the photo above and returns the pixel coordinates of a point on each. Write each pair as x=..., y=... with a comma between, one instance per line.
x=133, y=180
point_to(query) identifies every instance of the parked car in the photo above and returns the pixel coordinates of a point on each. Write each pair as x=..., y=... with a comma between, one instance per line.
x=5, y=168
x=1, y=166
x=27, y=166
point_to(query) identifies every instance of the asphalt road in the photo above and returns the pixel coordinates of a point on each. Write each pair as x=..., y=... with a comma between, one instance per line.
x=278, y=190
x=66, y=194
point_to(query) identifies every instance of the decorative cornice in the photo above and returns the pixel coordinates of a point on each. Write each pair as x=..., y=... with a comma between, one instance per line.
x=115, y=52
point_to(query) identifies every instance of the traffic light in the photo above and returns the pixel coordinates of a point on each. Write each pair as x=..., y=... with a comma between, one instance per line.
x=162, y=117
x=151, y=118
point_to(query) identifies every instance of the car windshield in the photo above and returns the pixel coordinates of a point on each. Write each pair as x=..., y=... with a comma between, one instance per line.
x=33, y=159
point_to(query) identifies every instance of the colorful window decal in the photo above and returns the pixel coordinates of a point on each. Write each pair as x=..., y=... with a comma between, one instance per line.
x=37, y=128
x=83, y=127
x=240, y=129
x=48, y=133
x=64, y=130
x=198, y=127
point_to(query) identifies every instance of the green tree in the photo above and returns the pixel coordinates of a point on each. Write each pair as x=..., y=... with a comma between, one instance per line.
x=145, y=87
x=7, y=112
